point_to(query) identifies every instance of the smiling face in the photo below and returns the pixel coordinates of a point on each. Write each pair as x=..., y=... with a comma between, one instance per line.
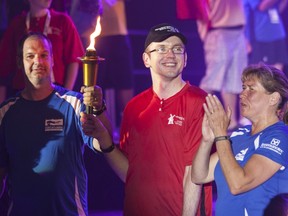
x=37, y=60
x=165, y=66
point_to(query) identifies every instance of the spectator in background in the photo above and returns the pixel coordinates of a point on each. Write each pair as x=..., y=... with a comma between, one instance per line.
x=15, y=7
x=60, y=5
x=196, y=10
x=58, y=26
x=221, y=28
x=225, y=51
x=116, y=72
x=84, y=14
x=265, y=32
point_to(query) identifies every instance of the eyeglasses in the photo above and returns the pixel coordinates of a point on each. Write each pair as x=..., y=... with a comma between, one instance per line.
x=165, y=50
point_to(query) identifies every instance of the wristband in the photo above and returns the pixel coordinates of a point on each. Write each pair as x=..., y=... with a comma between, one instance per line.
x=219, y=138
x=99, y=112
x=109, y=149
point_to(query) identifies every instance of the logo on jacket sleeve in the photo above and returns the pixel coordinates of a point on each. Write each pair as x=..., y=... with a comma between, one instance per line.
x=273, y=146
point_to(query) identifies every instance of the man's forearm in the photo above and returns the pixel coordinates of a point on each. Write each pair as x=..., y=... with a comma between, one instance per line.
x=192, y=193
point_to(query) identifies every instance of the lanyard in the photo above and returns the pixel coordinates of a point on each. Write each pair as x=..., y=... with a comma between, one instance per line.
x=46, y=26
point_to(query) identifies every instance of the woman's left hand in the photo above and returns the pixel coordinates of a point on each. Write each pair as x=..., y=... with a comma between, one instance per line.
x=217, y=117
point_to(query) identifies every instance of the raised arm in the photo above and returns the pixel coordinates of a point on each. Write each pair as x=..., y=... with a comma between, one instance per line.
x=203, y=164
x=100, y=128
x=93, y=126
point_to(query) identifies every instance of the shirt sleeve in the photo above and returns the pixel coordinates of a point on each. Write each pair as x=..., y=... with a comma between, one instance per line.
x=274, y=146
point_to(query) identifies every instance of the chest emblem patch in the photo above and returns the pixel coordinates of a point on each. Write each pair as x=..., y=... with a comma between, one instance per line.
x=175, y=120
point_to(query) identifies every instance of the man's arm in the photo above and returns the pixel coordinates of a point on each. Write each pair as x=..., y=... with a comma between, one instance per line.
x=3, y=174
x=71, y=75
x=192, y=193
x=116, y=159
x=99, y=128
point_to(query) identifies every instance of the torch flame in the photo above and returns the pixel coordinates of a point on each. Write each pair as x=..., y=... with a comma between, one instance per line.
x=95, y=34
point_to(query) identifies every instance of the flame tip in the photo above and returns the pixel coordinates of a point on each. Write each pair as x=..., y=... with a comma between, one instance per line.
x=95, y=34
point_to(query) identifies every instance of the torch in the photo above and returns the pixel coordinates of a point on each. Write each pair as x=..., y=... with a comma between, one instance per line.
x=90, y=62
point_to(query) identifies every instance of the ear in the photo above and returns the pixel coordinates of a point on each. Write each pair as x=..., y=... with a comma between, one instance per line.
x=185, y=59
x=146, y=59
x=275, y=98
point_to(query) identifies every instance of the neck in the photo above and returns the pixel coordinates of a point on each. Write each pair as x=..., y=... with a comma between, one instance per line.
x=165, y=90
x=36, y=93
x=36, y=12
x=263, y=123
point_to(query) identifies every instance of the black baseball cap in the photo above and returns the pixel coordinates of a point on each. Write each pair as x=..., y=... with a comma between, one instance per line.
x=161, y=32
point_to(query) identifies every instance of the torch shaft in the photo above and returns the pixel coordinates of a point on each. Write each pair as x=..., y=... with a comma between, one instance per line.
x=90, y=70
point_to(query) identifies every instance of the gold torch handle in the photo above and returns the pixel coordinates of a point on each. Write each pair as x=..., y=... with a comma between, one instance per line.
x=90, y=69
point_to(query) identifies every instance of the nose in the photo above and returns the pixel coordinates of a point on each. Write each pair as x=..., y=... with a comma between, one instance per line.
x=37, y=59
x=170, y=52
x=242, y=94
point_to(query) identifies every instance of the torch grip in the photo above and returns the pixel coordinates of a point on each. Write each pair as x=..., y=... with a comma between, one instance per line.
x=89, y=79
x=89, y=109
x=90, y=70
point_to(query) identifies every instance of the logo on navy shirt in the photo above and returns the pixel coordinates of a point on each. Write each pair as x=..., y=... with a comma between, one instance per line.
x=54, y=125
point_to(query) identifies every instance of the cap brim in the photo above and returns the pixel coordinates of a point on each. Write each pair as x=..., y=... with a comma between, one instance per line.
x=160, y=38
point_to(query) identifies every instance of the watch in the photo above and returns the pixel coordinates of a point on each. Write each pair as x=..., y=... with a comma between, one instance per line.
x=101, y=110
